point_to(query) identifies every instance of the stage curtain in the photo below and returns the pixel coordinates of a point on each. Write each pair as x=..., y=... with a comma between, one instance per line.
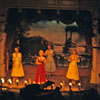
x=13, y=21
x=67, y=17
x=84, y=21
x=9, y=41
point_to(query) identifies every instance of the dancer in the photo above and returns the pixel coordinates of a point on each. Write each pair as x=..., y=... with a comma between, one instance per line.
x=17, y=68
x=50, y=64
x=40, y=73
x=72, y=73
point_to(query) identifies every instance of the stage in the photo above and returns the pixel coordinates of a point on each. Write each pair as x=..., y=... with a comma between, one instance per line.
x=54, y=91
x=58, y=77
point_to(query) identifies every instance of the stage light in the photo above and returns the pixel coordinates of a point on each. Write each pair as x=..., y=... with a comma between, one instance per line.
x=9, y=81
x=34, y=82
x=17, y=81
x=61, y=85
x=70, y=85
x=4, y=88
x=79, y=85
x=25, y=83
x=2, y=81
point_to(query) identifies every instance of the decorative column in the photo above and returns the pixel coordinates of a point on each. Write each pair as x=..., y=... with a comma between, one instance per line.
x=96, y=54
x=2, y=45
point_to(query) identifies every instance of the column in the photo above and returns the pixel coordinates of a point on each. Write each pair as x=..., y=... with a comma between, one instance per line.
x=2, y=46
x=96, y=54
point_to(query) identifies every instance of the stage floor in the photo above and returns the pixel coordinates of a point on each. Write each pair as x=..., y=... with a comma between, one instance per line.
x=58, y=77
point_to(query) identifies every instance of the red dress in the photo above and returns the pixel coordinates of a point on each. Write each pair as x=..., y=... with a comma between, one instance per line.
x=40, y=72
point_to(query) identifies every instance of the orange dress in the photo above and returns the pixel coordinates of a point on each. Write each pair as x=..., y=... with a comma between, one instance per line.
x=72, y=72
x=17, y=68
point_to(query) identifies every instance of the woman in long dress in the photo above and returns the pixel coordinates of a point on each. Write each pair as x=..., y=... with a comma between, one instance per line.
x=17, y=68
x=72, y=73
x=40, y=72
x=50, y=64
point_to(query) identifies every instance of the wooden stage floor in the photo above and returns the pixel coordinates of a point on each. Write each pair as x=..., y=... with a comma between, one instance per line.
x=58, y=77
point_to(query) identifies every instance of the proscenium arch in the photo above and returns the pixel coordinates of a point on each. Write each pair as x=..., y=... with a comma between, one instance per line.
x=78, y=6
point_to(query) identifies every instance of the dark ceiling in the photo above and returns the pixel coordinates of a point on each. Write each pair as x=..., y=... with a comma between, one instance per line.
x=90, y=5
x=66, y=11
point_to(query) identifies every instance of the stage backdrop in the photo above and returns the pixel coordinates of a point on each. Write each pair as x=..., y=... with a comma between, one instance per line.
x=63, y=38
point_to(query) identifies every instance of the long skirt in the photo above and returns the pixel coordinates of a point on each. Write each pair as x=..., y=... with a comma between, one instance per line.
x=72, y=72
x=50, y=65
x=17, y=70
x=40, y=74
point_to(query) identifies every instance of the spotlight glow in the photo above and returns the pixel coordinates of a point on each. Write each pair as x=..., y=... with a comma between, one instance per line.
x=2, y=80
x=79, y=84
x=25, y=82
x=17, y=81
x=9, y=81
x=70, y=84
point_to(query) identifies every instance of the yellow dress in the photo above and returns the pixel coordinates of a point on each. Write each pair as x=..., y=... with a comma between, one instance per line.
x=17, y=68
x=72, y=72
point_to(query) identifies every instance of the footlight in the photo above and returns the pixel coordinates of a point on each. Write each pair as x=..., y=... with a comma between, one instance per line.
x=61, y=85
x=52, y=86
x=79, y=85
x=4, y=88
x=17, y=82
x=34, y=82
x=2, y=81
x=9, y=81
x=70, y=85
x=25, y=83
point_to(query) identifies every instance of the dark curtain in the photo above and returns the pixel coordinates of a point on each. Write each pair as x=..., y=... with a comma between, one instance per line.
x=67, y=17
x=84, y=21
x=9, y=41
x=13, y=21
